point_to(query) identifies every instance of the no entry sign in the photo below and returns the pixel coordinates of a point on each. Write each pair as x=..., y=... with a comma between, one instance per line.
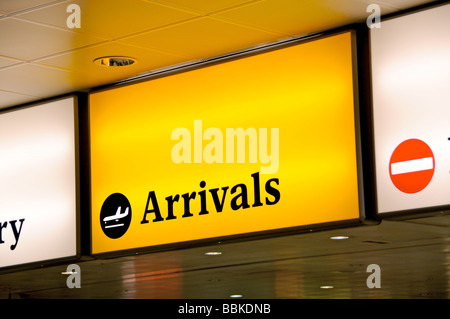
x=411, y=166
x=410, y=101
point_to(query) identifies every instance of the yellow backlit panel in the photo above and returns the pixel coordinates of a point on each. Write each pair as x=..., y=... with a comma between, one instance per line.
x=296, y=102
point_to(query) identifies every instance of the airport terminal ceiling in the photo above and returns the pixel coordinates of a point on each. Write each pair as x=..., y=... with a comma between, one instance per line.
x=45, y=54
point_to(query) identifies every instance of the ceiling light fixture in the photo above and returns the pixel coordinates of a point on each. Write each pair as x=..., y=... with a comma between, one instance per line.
x=338, y=237
x=115, y=61
x=326, y=287
x=213, y=253
x=236, y=296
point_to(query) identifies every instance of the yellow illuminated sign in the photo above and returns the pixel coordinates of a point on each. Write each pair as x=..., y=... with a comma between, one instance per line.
x=263, y=142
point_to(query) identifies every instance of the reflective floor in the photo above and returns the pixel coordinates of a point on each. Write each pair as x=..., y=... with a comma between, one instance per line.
x=413, y=258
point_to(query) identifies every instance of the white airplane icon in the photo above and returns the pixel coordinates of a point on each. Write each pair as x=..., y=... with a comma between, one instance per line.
x=116, y=217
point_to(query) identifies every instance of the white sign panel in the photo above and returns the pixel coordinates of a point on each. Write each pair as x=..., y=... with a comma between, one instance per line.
x=411, y=107
x=38, y=219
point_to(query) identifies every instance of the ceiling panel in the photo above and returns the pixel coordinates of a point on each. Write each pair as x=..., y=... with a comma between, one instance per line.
x=27, y=41
x=13, y=98
x=86, y=73
x=159, y=33
x=35, y=80
x=203, y=6
x=292, y=17
x=4, y=62
x=399, y=4
x=110, y=19
x=202, y=38
x=9, y=7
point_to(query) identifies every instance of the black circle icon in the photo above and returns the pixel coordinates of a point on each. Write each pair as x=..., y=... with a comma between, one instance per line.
x=115, y=215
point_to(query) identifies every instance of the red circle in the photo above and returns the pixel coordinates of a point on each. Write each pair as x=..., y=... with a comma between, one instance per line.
x=411, y=166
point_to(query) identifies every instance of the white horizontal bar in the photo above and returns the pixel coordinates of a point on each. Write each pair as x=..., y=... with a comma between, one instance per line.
x=117, y=225
x=416, y=165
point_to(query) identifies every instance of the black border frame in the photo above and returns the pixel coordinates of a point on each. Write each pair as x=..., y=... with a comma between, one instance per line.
x=412, y=213
x=78, y=194
x=361, y=95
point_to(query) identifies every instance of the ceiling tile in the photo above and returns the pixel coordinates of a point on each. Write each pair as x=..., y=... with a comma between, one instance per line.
x=89, y=73
x=35, y=80
x=205, y=6
x=293, y=17
x=11, y=98
x=36, y=30
x=110, y=19
x=19, y=5
x=401, y=4
x=82, y=59
x=27, y=41
x=202, y=38
x=5, y=61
